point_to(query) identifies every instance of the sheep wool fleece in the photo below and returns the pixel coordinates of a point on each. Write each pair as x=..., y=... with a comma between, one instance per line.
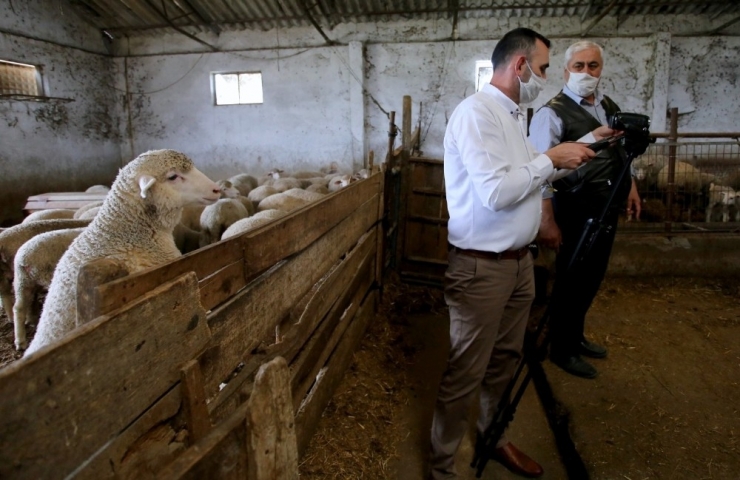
x=133, y=230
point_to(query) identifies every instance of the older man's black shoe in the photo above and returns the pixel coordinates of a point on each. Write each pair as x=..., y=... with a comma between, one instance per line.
x=590, y=349
x=575, y=365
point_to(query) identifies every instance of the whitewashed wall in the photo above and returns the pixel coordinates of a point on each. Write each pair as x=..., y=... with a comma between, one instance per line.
x=322, y=103
x=55, y=145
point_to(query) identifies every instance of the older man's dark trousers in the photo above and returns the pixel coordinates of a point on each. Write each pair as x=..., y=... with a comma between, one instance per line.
x=574, y=290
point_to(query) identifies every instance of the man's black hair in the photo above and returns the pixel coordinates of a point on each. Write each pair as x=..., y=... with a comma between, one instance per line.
x=519, y=40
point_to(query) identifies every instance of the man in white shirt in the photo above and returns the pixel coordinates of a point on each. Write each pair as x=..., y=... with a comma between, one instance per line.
x=493, y=180
x=579, y=108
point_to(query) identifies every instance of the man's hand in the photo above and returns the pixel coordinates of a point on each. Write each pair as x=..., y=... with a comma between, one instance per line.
x=634, y=206
x=570, y=155
x=549, y=235
x=605, y=132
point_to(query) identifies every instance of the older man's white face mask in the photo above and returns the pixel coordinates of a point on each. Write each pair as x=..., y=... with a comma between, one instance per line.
x=582, y=84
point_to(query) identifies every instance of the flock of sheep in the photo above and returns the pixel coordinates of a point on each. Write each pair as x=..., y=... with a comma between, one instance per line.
x=714, y=196
x=159, y=207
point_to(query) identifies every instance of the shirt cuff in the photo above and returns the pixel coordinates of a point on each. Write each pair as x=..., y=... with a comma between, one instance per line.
x=588, y=138
x=544, y=165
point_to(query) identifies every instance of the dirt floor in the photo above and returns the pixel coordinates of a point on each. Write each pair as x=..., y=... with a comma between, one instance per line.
x=665, y=403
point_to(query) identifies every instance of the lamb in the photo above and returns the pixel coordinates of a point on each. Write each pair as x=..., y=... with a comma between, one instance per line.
x=248, y=224
x=273, y=174
x=244, y=183
x=216, y=218
x=11, y=240
x=33, y=268
x=338, y=182
x=227, y=189
x=81, y=211
x=50, y=214
x=134, y=228
x=285, y=183
x=721, y=197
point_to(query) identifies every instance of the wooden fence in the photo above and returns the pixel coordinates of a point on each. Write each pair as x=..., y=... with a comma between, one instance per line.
x=160, y=383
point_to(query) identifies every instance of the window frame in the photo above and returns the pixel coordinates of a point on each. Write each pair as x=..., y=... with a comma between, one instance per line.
x=38, y=77
x=237, y=73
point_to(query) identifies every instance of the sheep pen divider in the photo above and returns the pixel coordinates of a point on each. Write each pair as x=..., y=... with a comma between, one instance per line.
x=302, y=288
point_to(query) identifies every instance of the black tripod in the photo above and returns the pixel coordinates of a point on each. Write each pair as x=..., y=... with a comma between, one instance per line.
x=557, y=415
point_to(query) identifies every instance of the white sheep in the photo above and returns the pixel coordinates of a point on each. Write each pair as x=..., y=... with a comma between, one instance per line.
x=51, y=214
x=317, y=188
x=721, y=198
x=281, y=201
x=273, y=174
x=248, y=224
x=11, y=240
x=244, y=183
x=338, y=182
x=304, y=195
x=227, y=189
x=260, y=193
x=134, y=228
x=286, y=183
x=98, y=189
x=333, y=168
x=306, y=174
x=90, y=213
x=686, y=176
x=216, y=218
x=33, y=269
x=81, y=211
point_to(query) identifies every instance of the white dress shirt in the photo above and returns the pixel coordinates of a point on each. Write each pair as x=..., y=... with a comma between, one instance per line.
x=493, y=175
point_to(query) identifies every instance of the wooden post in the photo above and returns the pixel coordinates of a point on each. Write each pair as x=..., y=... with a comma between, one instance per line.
x=370, y=162
x=194, y=401
x=672, y=138
x=90, y=276
x=392, y=133
x=406, y=136
x=272, y=450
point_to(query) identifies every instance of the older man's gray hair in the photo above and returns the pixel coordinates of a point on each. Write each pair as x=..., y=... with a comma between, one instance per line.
x=579, y=47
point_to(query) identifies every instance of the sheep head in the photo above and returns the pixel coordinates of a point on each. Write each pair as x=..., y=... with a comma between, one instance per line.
x=168, y=177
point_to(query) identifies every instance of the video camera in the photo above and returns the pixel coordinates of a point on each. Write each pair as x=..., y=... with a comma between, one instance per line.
x=636, y=133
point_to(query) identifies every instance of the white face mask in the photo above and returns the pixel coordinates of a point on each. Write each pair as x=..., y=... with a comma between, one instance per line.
x=528, y=91
x=582, y=84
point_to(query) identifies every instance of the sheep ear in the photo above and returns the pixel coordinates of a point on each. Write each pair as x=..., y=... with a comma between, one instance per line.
x=145, y=183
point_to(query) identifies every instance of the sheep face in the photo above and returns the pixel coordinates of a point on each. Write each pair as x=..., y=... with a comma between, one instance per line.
x=180, y=184
x=339, y=182
x=227, y=189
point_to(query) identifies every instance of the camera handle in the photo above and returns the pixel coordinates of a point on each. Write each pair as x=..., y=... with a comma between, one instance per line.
x=533, y=356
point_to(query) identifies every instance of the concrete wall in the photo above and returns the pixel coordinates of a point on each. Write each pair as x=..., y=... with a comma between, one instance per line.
x=322, y=103
x=305, y=119
x=55, y=145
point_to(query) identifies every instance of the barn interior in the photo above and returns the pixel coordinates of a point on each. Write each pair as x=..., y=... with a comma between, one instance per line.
x=327, y=323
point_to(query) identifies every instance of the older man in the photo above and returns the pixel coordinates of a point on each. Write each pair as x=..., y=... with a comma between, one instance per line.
x=493, y=178
x=579, y=108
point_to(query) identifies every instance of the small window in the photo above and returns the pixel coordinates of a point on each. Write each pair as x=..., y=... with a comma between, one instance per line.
x=237, y=88
x=19, y=79
x=483, y=73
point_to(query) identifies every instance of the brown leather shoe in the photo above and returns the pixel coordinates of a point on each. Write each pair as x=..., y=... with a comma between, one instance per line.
x=517, y=461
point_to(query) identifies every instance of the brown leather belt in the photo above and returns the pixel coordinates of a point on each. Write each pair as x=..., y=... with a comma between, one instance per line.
x=507, y=255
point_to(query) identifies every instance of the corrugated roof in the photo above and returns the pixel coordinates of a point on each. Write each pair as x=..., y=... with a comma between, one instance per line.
x=137, y=16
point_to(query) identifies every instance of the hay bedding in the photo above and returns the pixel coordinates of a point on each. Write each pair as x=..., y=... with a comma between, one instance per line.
x=359, y=432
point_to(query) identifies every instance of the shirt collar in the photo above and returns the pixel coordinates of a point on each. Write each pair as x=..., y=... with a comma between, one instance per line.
x=502, y=100
x=580, y=100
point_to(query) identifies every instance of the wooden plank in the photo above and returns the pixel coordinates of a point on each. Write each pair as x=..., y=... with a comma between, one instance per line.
x=429, y=161
x=194, y=401
x=89, y=196
x=239, y=325
x=220, y=454
x=332, y=290
x=89, y=278
x=430, y=220
x=406, y=174
x=309, y=414
x=271, y=442
x=64, y=402
x=67, y=205
x=323, y=341
x=120, y=456
x=258, y=250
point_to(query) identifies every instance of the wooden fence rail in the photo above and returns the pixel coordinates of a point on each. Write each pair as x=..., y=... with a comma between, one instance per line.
x=159, y=383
